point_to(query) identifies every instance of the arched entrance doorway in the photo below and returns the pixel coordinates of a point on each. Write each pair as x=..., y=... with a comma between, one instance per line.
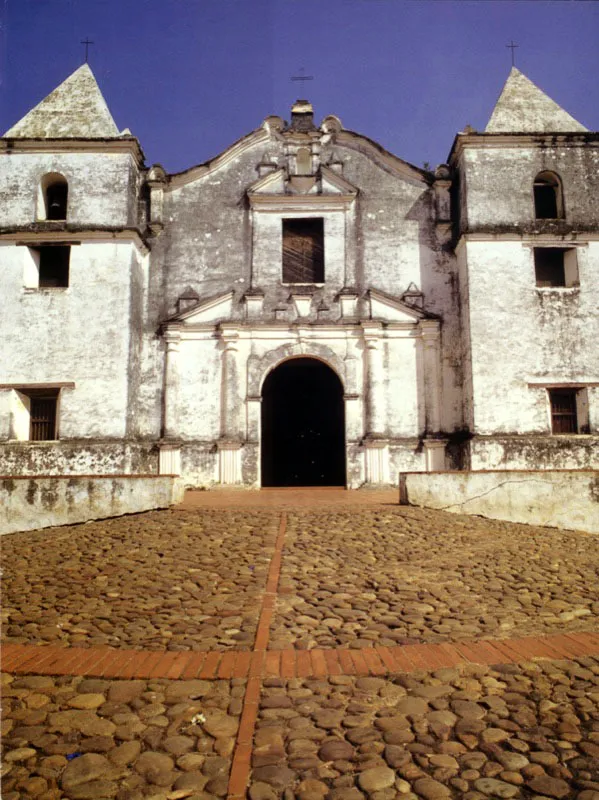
x=303, y=425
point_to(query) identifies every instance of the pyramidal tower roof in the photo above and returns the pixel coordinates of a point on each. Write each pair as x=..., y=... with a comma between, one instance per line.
x=523, y=108
x=74, y=110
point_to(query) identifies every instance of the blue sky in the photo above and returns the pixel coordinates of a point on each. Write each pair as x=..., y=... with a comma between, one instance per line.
x=189, y=77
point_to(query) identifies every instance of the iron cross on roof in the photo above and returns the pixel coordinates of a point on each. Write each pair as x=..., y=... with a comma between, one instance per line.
x=512, y=47
x=87, y=43
x=302, y=77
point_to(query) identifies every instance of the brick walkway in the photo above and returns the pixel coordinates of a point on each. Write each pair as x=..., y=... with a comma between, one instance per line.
x=261, y=663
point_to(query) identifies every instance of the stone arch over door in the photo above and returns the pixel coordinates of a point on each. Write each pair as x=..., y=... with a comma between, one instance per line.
x=259, y=368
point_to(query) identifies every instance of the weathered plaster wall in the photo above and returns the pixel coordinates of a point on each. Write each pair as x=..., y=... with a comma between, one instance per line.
x=499, y=183
x=42, y=502
x=518, y=338
x=544, y=452
x=552, y=498
x=101, y=457
x=102, y=187
x=82, y=334
x=523, y=336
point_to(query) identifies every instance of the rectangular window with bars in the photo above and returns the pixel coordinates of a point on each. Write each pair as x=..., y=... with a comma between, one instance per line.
x=564, y=418
x=43, y=419
x=303, y=250
x=35, y=413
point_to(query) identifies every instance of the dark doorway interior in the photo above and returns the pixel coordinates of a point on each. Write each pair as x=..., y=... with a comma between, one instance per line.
x=303, y=426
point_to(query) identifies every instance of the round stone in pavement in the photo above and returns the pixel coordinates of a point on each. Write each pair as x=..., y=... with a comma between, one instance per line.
x=372, y=780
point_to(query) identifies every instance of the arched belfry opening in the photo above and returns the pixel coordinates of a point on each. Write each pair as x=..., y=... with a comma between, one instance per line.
x=54, y=197
x=303, y=425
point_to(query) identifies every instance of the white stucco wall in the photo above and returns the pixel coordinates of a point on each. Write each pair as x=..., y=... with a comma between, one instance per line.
x=523, y=337
x=41, y=502
x=102, y=187
x=556, y=499
x=80, y=334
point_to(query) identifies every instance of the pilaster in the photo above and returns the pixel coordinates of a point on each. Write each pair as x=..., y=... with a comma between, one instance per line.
x=376, y=452
x=229, y=461
x=434, y=451
x=375, y=380
x=431, y=341
x=230, y=400
x=169, y=460
x=172, y=338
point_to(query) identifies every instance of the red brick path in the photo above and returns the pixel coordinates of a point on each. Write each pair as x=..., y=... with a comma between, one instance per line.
x=105, y=662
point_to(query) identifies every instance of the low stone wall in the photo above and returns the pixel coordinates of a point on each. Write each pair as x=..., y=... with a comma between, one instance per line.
x=79, y=457
x=28, y=503
x=556, y=498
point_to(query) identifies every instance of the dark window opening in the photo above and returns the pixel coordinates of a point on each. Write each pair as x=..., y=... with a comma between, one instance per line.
x=549, y=266
x=56, y=201
x=42, y=414
x=303, y=251
x=54, y=266
x=548, y=196
x=563, y=410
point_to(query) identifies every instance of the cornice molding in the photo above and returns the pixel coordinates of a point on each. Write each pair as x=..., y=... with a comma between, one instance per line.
x=527, y=239
x=303, y=202
x=71, y=235
x=129, y=145
x=510, y=141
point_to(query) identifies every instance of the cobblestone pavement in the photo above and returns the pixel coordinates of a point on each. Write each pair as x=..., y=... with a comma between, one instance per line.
x=161, y=580
x=342, y=592
x=87, y=738
x=526, y=731
x=410, y=575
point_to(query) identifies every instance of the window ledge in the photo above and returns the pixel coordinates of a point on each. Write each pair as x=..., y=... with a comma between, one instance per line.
x=571, y=435
x=45, y=289
x=31, y=441
x=571, y=289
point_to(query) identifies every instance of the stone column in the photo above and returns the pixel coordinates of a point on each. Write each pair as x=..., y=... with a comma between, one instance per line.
x=376, y=421
x=376, y=446
x=171, y=384
x=230, y=405
x=169, y=460
x=230, y=442
x=431, y=340
x=434, y=450
x=376, y=452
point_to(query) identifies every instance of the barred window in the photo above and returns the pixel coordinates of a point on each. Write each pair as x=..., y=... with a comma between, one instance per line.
x=43, y=418
x=563, y=410
x=303, y=250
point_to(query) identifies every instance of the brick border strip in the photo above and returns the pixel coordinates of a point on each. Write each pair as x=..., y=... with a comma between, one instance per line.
x=104, y=662
x=241, y=764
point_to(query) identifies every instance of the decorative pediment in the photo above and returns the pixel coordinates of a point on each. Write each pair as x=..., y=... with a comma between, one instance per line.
x=272, y=183
x=325, y=185
x=383, y=306
x=210, y=310
x=333, y=183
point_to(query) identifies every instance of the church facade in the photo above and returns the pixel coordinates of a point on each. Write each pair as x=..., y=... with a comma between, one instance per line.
x=304, y=309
